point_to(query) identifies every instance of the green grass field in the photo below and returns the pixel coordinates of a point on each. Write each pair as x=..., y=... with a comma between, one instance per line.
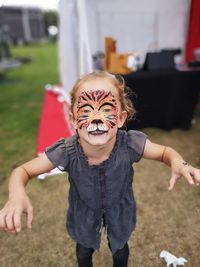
x=166, y=221
x=20, y=103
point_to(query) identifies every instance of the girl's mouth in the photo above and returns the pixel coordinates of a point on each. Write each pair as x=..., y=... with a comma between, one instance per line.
x=97, y=132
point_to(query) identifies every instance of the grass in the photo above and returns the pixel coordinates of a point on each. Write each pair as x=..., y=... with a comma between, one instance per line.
x=166, y=221
x=20, y=103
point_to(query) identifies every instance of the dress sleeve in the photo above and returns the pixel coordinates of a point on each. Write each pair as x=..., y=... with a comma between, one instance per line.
x=136, y=141
x=57, y=154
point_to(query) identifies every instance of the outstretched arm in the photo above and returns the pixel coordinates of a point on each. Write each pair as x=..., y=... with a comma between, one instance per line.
x=173, y=159
x=19, y=202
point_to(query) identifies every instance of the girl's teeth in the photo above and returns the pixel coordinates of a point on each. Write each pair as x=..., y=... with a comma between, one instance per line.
x=97, y=132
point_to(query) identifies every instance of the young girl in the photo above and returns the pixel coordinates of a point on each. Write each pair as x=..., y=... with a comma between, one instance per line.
x=99, y=161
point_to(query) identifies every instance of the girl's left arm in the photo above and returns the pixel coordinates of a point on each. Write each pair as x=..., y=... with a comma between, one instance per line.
x=173, y=159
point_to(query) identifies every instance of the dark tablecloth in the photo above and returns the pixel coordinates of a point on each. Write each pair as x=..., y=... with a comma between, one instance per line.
x=165, y=99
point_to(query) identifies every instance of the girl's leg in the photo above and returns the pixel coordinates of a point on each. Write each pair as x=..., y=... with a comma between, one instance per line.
x=84, y=256
x=120, y=258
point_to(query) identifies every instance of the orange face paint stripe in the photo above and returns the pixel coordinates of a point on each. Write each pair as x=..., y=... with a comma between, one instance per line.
x=90, y=106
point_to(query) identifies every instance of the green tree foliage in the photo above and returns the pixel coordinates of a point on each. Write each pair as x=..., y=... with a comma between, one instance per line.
x=50, y=18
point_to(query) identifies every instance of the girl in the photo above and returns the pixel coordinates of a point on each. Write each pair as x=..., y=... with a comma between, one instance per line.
x=99, y=161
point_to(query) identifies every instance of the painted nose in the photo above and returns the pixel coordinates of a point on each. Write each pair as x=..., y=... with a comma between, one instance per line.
x=97, y=121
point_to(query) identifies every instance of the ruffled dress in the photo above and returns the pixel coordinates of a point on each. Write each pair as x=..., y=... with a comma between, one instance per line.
x=100, y=196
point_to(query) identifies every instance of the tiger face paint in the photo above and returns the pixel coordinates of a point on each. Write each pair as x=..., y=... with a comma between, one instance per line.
x=97, y=111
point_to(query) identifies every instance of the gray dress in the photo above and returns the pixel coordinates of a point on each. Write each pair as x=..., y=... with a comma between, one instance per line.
x=100, y=195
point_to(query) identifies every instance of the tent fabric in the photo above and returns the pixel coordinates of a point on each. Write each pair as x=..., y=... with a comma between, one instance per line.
x=193, y=38
x=75, y=57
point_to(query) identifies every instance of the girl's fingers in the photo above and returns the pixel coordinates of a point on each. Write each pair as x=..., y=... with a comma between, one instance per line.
x=29, y=217
x=17, y=220
x=191, y=174
x=9, y=231
x=2, y=220
x=196, y=175
x=172, y=181
x=188, y=177
x=9, y=221
x=10, y=216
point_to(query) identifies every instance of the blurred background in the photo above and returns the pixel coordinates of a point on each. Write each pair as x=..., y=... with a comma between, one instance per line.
x=45, y=46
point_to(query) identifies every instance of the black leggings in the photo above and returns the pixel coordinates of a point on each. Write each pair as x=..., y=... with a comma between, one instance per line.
x=84, y=256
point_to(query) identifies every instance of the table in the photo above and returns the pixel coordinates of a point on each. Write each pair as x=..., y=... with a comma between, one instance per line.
x=165, y=98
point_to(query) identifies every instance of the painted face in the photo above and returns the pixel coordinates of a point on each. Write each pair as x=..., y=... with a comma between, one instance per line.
x=96, y=111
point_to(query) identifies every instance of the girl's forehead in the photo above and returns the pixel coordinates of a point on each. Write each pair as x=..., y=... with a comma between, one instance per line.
x=95, y=85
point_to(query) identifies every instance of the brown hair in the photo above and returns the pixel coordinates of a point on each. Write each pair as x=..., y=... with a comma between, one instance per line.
x=117, y=81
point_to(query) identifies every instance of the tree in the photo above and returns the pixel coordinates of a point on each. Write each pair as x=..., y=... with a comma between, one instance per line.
x=50, y=19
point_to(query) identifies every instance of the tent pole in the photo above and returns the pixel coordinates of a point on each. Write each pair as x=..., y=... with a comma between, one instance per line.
x=80, y=5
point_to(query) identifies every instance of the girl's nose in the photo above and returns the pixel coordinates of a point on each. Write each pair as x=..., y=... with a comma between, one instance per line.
x=96, y=121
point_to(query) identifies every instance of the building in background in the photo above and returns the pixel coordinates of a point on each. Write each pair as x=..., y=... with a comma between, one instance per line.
x=24, y=24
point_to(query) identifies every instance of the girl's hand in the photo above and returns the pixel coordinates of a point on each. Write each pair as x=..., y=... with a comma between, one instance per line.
x=173, y=159
x=180, y=168
x=10, y=215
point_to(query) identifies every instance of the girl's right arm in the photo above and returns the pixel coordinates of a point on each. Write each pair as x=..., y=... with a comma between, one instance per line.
x=19, y=202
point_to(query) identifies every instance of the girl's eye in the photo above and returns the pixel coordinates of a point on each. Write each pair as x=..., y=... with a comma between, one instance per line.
x=86, y=111
x=106, y=110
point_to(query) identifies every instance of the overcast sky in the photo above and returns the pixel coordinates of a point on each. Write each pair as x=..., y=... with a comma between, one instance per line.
x=46, y=4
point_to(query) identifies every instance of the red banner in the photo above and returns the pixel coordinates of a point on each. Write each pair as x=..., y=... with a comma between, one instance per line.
x=193, y=37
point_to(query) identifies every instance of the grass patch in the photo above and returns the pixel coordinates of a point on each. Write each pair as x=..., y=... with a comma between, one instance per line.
x=22, y=93
x=166, y=220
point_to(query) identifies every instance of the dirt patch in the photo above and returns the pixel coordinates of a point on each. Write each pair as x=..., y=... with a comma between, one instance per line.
x=166, y=221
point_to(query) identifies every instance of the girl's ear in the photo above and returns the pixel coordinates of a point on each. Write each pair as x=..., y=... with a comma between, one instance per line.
x=72, y=120
x=122, y=118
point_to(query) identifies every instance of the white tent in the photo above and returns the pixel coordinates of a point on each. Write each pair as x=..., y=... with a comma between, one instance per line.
x=74, y=51
x=137, y=26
